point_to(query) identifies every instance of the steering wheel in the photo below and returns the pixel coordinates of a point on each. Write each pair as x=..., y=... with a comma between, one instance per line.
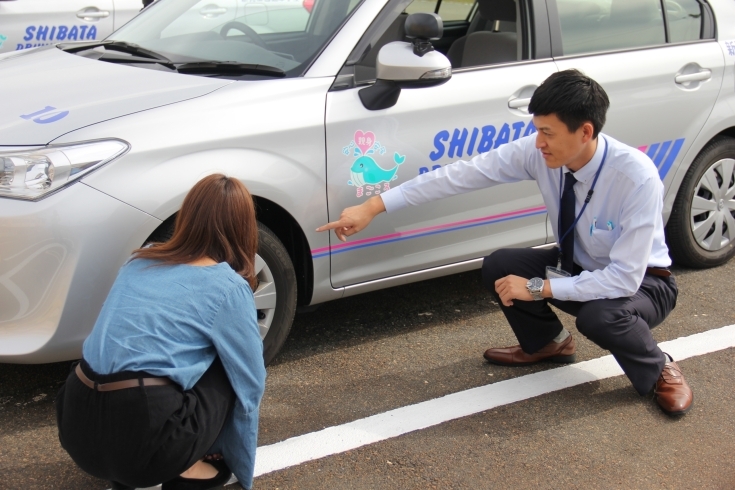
x=245, y=29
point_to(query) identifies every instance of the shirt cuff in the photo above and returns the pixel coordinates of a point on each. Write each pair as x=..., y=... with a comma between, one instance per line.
x=393, y=199
x=562, y=288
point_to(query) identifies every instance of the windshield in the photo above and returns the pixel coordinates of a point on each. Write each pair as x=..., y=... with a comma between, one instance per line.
x=283, y=34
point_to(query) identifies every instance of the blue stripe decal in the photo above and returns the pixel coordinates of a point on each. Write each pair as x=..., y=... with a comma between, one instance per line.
x=436, y=232
x=670, y=159
x=662, y=153
x=652, y=150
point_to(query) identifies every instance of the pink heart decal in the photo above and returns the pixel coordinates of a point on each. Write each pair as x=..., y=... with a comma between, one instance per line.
x=364, y=141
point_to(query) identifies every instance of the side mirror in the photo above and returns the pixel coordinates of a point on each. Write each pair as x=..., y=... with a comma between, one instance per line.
x=408, y=65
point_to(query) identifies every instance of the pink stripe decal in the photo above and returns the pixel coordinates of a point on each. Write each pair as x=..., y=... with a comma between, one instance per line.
x=643, y=148
x=429, y=228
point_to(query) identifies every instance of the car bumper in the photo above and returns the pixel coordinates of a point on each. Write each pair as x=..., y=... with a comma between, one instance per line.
x=58, y=259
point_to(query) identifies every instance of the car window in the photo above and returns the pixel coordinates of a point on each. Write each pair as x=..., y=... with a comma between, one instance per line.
x=450, y=10
x=602, y=25
x=492, y=37
x=284, y=34
x=685, y=20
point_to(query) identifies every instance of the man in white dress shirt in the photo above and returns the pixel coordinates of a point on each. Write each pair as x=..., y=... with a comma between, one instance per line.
x=610, y=268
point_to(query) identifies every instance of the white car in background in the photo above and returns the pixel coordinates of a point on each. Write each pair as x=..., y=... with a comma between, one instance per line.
x=26, y=24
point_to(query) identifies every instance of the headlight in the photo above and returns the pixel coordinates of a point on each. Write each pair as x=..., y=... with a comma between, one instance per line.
x=33, y=174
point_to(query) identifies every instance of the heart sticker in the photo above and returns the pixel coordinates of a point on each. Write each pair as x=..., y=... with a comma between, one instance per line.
x=364, y=141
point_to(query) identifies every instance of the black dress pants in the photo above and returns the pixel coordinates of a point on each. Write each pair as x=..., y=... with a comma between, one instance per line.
x=621, y=325
x=141, y=436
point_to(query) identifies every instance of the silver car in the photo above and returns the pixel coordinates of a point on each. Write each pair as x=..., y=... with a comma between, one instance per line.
x=318, y=105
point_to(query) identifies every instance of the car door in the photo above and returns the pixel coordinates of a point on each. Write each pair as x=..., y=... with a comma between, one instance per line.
x=661, y=68
x=30, y=23
x=482, y=107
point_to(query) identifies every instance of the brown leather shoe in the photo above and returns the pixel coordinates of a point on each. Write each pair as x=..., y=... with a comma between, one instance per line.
x=514, y=356
x=673, y=394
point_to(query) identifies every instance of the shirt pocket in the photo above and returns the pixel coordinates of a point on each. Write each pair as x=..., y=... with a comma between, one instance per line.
x=601, y=242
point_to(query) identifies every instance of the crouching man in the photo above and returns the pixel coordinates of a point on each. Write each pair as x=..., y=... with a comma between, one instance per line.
x=610, y=268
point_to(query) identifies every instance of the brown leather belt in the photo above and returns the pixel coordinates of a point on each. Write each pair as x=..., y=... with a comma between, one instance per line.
x=120, y=385
x=658, y=271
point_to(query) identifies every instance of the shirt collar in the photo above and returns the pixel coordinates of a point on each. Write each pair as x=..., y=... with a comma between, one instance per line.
x=587, y=173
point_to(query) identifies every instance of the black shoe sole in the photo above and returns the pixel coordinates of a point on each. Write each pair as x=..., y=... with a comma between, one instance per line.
x=557, y=359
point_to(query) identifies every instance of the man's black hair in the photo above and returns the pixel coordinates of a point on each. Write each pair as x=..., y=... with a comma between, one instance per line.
x=574, y=98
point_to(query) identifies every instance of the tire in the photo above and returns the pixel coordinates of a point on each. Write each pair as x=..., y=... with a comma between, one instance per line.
x=275, y=274
x=701, y=229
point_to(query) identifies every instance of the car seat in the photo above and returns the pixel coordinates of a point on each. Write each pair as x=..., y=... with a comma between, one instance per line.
x=486, y=45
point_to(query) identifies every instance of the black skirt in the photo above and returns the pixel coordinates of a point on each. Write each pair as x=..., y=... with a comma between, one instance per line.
x=141, y=436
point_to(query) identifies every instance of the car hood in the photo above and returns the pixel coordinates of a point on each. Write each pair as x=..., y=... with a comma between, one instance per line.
x=47, y=93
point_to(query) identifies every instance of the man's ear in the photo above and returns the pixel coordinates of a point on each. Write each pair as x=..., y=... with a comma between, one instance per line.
x=588, y=131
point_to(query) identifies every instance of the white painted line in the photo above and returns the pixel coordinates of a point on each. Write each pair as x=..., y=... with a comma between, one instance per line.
x=341, y=438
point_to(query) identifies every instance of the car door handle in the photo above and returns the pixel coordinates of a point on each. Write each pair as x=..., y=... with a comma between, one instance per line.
x=699, y=76
x=91, y=14
x=212, y=11
x=518, y=103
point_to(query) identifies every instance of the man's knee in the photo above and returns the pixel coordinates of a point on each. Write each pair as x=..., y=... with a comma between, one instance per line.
x=598, y=322
x=494, y=266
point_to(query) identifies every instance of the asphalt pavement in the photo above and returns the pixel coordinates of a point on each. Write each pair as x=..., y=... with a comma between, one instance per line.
x=365, y=355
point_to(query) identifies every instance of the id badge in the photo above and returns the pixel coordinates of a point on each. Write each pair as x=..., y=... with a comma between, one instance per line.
x=556, y=273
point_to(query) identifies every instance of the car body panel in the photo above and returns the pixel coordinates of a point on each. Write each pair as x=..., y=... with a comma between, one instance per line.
x=467, y=113
x=36, y=116
x=647, y=105
x=54, y=281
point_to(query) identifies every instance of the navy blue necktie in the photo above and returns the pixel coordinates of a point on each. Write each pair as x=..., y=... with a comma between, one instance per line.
x=566, y=212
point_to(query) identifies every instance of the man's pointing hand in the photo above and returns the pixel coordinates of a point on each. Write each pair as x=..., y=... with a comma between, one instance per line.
x=355, y=219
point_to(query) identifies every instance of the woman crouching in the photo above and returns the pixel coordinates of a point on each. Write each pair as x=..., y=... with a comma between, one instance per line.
x=173, y=370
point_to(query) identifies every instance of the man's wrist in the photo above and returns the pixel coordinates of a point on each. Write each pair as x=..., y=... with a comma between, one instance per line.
x=376, y=205
x=546, y=292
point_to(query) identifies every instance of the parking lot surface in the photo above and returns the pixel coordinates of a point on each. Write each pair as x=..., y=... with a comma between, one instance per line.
x=366, y=355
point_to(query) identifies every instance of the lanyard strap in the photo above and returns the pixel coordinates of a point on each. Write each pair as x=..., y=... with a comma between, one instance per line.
x=586, y=200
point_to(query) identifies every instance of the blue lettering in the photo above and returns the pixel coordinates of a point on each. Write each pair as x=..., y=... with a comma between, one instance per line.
x=486, y=142
x=503, y=135
x=18, y=46
x=82, y=30
x=29, y=46
x=530, y=129
x=41, y=33
x=440, y=137
x=423, y=170
x=61, y=35
x=73, y=33
x=473, y=140
x=457, y=143
x=29, y=33
x=92, y=34
x=436, y=167
x=517, y=127
x=53, y=31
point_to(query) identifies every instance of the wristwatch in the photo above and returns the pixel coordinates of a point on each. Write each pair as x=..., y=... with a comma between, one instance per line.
x=535, y=286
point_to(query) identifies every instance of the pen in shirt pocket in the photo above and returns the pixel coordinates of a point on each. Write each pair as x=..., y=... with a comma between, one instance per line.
x=592, y=226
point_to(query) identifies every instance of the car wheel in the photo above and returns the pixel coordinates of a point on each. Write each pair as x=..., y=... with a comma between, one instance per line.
x=275, y=295
x=701, y=230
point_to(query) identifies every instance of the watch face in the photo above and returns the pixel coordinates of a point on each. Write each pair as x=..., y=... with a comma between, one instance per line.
x=537, y=284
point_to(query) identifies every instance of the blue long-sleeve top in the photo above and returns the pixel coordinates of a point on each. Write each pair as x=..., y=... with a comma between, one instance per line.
x=173, y=320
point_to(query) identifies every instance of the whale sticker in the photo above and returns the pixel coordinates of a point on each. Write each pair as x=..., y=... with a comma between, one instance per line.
x=366, y=174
